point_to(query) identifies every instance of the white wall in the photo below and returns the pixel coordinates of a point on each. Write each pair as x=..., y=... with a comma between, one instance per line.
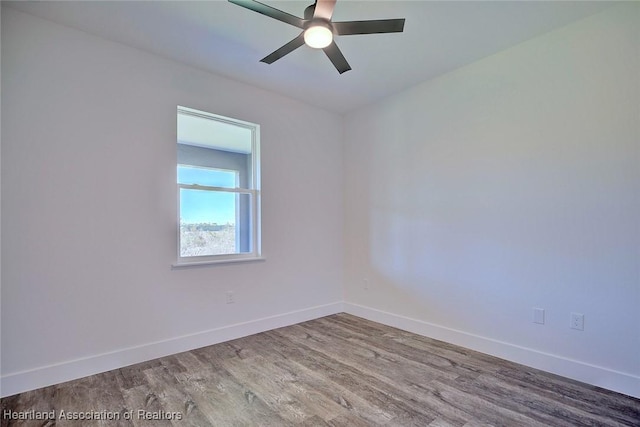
x=509, y=184
x=89, y=208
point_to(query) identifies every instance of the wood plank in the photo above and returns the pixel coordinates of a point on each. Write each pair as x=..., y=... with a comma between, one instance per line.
x=376, y=392
x=223, y=397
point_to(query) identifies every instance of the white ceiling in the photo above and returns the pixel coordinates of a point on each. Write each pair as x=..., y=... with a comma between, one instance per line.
x=226, y=39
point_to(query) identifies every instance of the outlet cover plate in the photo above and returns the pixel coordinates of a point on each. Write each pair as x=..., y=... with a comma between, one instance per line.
x=538, y=315
x=577, y=321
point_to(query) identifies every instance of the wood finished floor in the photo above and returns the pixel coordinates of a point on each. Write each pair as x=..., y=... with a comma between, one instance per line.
x=339, y=370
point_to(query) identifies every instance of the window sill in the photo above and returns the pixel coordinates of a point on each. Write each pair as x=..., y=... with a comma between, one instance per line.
x=181, y=265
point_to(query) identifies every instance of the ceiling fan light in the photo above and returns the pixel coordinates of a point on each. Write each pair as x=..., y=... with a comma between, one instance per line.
x=318, y=36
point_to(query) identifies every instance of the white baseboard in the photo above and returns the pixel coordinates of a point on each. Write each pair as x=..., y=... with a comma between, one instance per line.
x=66, y=371
x=19, y=382
x=596, y=375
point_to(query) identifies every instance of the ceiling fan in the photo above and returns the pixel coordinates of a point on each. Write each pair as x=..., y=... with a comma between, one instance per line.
x=318, y=30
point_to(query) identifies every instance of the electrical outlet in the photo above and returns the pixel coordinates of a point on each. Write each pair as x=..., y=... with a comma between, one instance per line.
x=577, y=321
x=538, y=315
x=365, y=284
x=230, y=297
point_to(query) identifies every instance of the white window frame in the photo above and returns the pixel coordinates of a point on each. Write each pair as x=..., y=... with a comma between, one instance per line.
x=253, y=190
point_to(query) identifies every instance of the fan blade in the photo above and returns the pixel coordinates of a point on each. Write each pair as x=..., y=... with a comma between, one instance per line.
x=324, y=9
x=337, y=58
x=369, y=27
x=284, y=50
x=270, y=12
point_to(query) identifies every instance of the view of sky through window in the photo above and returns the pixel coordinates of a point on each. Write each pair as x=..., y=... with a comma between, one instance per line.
x=214, y=207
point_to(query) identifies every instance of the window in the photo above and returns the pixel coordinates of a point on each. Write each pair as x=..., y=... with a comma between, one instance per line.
x=218, y=188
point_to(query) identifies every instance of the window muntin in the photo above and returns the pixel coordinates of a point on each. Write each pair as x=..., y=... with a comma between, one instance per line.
x=218, y=188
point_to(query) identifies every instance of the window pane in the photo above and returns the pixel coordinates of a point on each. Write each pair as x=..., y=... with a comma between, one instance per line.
x=207, y=176
x=207, y=223
x=214, y=223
